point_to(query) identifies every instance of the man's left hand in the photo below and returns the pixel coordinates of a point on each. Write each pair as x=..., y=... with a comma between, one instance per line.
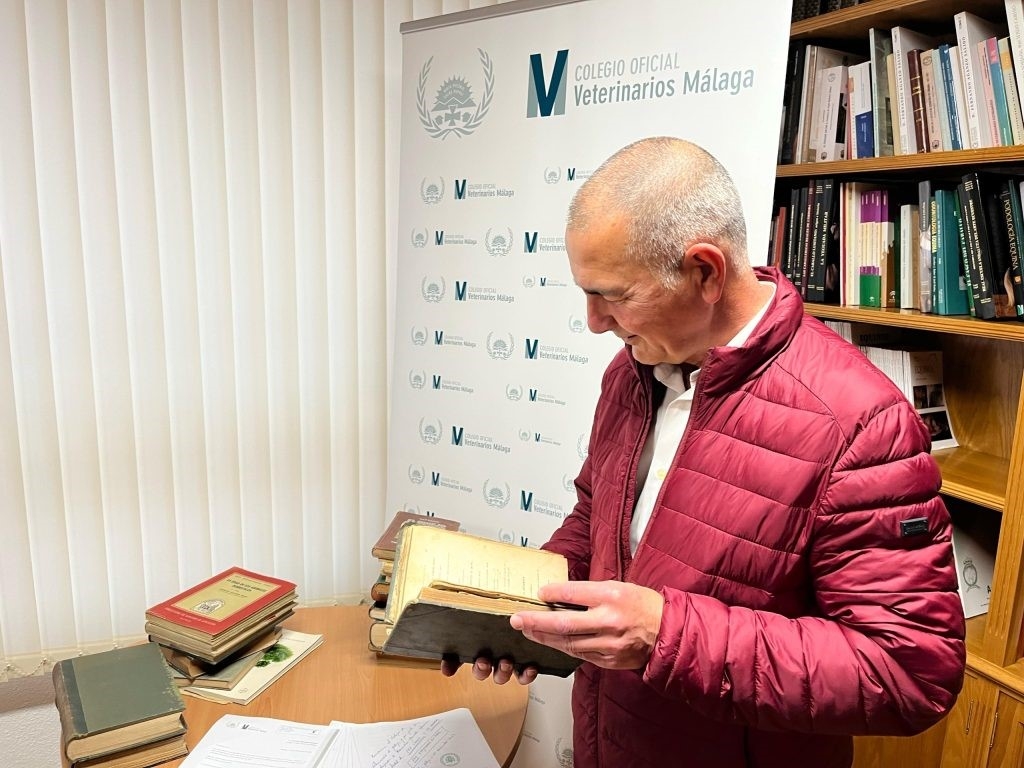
x=617, y=631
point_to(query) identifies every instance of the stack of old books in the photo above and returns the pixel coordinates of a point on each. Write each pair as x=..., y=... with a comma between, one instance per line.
x=118, y=709
x=384, y=550
x=215, y=632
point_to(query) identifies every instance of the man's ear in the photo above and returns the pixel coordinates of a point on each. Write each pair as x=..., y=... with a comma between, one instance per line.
x=710, y=265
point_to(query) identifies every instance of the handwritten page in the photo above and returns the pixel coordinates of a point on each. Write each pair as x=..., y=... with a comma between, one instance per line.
x=235, y=741
x=448, y=739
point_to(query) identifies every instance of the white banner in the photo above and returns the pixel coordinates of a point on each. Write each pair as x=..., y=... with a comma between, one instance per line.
x=506, y=111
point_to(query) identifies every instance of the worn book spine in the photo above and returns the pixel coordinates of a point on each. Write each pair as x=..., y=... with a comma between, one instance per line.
x=69, y=703
x=921, y=137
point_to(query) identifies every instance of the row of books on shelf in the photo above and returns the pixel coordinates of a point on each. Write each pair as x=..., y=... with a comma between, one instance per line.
x=910, y=93
x=450, y=594
x=220, y=640
x=939, y=247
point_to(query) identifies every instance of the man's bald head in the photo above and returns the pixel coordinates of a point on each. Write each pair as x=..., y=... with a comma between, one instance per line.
x=672, y=193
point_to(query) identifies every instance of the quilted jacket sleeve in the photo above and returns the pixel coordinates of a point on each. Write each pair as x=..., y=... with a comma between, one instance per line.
x=886, y=655
x=572, y=538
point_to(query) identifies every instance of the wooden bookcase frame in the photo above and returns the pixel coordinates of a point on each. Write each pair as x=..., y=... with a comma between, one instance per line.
x=984, y=382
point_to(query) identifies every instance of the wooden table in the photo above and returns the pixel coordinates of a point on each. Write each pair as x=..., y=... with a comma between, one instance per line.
x=343, y=680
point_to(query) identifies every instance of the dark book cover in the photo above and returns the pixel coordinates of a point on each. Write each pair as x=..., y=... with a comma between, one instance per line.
x=793, y=236
x=978, y=249
x=948, y=264
x=1000, y=279
x=791, y=101
x=805, y=246
x=433, y=630
x=917, y=99
x=130, y=690
x=1015, y=227
x=814, y=276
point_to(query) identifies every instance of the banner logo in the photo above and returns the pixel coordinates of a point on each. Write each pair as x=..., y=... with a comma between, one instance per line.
x=455, y=111
x=530, y=242
x=416, y=474
x=498, y=348
x=576, y=325
x=514, y=392
x=563, y=755
x=552, y=175
x=430, y=431
x=544, y=98
x=418, y=238
x=495, y=496
x=499, y=245
x=417, y=379
x=583, y=445
x=432, y=191
x=419, y=336
x=432, y=290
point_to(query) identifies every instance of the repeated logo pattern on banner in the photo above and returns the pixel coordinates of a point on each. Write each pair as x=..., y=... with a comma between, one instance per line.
x=504, y=117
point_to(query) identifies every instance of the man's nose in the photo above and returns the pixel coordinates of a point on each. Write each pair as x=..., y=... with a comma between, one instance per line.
x=598, y=318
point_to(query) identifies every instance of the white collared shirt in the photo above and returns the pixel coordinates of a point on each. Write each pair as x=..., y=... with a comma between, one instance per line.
x=669, y=424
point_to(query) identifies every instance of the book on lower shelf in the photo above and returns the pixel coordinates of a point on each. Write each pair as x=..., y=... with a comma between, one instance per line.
x=452, y=595
x=450, y=738
x=975, y=538
x=119, y=708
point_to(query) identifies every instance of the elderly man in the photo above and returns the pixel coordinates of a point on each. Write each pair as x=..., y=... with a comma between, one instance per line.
x=758, y=539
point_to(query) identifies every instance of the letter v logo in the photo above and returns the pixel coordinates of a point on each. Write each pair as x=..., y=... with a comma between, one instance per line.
x=542, y=98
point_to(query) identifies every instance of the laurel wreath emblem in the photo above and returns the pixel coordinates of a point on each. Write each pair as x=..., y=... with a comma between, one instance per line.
x=478, y=115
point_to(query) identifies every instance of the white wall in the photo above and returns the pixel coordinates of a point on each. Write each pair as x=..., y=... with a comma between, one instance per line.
x=29, y=728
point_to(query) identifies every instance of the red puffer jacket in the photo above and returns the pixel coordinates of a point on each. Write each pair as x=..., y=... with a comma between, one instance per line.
x=798, y=609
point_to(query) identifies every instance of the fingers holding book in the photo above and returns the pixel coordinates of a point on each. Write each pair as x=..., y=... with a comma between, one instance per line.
x=484, y=667
x=616, y=631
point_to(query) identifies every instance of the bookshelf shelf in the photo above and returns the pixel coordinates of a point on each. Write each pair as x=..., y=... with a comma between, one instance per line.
x=910, y=318
x=974, y=476
x=934, y=162
x=853, y=23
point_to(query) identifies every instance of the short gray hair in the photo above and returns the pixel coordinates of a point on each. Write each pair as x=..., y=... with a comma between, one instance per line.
x=674, y=194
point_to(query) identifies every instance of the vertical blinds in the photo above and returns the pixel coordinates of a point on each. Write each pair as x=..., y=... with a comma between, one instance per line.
x=194, y=303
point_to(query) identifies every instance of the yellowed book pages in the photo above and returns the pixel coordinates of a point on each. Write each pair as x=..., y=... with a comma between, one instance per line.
x=428, y=555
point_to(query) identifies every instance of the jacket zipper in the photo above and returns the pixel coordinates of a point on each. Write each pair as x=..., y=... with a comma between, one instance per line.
x=694, y=408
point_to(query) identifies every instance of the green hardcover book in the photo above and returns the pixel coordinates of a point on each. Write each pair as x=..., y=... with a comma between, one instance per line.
x=115, y=701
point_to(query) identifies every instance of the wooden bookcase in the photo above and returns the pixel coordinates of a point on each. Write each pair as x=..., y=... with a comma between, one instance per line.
x=983, y=370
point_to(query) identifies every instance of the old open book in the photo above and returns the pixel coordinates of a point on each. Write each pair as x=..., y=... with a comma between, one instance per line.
x=452, y=594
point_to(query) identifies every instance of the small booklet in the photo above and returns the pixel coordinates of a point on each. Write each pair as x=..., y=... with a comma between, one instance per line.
x=449, y=738
x=278, y=659
x=452, y=595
